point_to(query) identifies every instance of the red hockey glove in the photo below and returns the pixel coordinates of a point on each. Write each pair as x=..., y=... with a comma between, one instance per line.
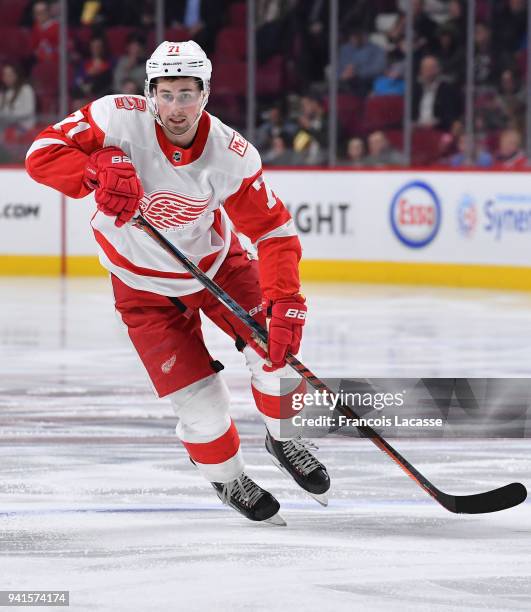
x=118, y=189
x=288, y=315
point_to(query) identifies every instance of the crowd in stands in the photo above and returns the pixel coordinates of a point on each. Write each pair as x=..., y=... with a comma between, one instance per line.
x=109, y=41
x=371, y=70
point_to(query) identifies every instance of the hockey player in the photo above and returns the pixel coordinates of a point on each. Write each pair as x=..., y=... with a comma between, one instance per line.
x=187, y=173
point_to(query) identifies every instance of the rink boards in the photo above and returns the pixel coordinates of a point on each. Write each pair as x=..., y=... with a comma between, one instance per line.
x=424, y=227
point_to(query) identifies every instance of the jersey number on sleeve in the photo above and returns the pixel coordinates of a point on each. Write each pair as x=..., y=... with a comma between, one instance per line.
x=73, y=118
x=261, y=184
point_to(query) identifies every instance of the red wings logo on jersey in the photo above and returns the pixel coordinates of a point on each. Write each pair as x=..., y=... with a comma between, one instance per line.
x=169, y=210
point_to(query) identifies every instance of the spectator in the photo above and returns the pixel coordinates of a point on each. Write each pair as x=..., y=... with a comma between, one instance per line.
x=360, y=62
x=147, y=10
x=435, y=102
x=308, y=149
x=94, y=76
x=110, y=13
x=360, y=14
x=131, y=65
x=381, y=153
x=437, y=10
x=488, y=116
x=90, y=13
x=511, y=100
x=425, y=29
x=313, y=120
x=451, y=55
x=44, y=34
x=511, y=26
x=505, y=108
x=17, y=100
x=457, y=19
x=75, y=8
x=391, y=83
x=510, y=153
x=274, y=27
x=484, y=58
x=202, y=19
x=280, y=153
x=274, y=125
x=98, y=13
x=480, y=157
x=313, y=16
x=356, y=152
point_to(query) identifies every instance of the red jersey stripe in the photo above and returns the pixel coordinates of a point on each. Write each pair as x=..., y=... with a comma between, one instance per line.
x=119, y=260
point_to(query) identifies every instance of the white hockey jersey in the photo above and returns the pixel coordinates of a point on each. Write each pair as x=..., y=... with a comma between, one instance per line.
x=188, y=195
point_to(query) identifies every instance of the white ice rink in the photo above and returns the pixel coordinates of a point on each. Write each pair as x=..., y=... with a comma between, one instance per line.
x=98, y=498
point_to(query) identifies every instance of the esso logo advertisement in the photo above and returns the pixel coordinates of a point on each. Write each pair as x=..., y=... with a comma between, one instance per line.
x=415, y=214
x=467, y=216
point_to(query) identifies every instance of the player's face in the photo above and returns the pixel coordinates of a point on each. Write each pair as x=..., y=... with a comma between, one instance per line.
x=178, y=103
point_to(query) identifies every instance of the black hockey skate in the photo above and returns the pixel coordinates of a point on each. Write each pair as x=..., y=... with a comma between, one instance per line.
x=294, y=459
x=245, y=496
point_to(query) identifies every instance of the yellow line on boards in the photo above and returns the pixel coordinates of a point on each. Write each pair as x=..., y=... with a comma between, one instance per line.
x=30, y=265
x=451, y=275
x=84, y=265
x=50, y=265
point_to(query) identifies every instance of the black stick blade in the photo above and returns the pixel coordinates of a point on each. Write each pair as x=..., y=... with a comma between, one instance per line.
x=491, y=501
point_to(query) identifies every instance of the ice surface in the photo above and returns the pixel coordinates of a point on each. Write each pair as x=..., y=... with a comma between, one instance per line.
x=97, y=497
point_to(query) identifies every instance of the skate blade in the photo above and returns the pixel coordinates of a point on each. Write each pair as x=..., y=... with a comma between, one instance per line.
x=277, y=520
x=320, y=498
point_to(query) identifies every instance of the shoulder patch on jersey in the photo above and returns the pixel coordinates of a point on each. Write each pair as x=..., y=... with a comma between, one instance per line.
x=130, y=103
x=238, y=144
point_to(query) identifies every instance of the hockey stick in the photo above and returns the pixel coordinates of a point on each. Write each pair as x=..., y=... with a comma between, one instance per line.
x=490, y=501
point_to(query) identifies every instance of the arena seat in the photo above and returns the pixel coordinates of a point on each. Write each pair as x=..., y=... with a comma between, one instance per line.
x=45, y=76
x=231, y=43
x=349, y=113
x=270, y=77
x=16, y=44
x=383, y=112
x=395, y=138
x=171, y=34
x=492, y=141
x=117, y=39
x=82, y=36
x=11, y=12
x=230, y=78
x=47, y=103
x=229, y=108
x=425, y=146
x=45, y=81
x=175, y=34
x=238, y=14
x=17, y=136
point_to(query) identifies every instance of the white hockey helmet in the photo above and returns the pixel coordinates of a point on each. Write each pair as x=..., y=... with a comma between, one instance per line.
x=177, y=59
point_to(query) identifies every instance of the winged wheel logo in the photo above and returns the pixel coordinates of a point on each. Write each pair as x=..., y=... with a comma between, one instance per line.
x=169, y=210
